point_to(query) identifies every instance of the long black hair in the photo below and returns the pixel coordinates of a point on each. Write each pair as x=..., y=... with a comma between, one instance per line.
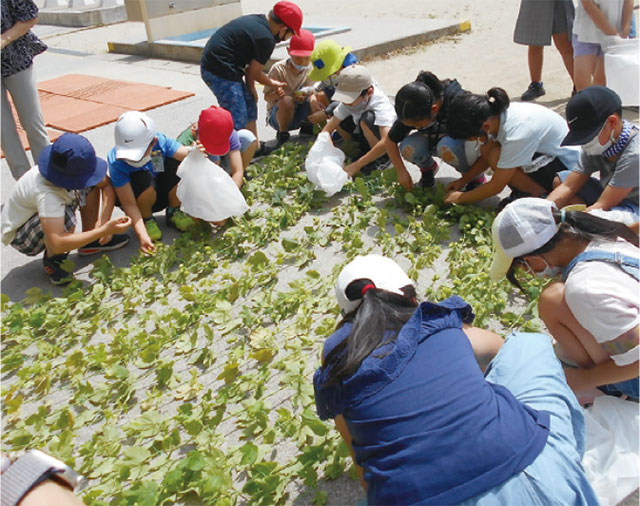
x=577, y=226
x=380, y=314
x=467, y=112
x=431, y=80
x=414, y=101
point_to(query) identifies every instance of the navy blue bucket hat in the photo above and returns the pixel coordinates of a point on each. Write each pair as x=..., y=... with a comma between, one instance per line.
x=71, y=163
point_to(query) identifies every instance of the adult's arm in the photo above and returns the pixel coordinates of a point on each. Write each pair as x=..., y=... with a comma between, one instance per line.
x=404, y=178
x=58, y=240
x=17, y=31
x=50, y=492
x=611, y=196
x=598, y=17
x=341, y=425
x=130, y=207
x=563, y=194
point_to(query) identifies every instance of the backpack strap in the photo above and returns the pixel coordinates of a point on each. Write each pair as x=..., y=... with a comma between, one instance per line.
x=630, y=265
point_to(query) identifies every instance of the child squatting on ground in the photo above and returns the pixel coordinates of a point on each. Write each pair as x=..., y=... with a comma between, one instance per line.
x=289, y=107
x=142, y=167
x=40, y=213
x=403, y=383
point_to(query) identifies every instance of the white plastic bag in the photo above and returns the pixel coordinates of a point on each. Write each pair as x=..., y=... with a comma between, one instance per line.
x=324, y=165
x=206, y=191
x=622, y=65
x=611, y=458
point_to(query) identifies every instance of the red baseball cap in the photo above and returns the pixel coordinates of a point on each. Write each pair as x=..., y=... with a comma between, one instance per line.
x=290, y=14
x=215, y=126
x=302, y=44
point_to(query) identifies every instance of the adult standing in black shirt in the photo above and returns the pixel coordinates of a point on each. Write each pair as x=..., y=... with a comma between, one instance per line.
x=240, y=49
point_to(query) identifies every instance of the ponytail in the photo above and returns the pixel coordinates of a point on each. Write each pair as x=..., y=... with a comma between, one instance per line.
x=376, y=322
x=578, y=226
x=431, y=80
x=414, y=101
x=467, y=112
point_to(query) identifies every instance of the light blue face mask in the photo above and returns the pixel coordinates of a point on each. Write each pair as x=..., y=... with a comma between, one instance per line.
x=298, y=67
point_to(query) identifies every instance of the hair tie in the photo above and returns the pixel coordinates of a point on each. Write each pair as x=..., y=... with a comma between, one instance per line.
x=562, y=216
x=366, y=288
x=491, y=100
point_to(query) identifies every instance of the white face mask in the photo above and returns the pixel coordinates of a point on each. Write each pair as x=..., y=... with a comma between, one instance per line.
x=594, y=148
x=299, y=68
x=547, y=272
x=140, y=163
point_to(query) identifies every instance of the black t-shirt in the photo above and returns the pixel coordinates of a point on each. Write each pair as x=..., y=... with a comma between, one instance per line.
x=436, y=129
x=232, y=47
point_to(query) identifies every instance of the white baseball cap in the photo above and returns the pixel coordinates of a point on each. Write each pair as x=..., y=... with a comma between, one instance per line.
x=351, y=83
x=521, y=227
x=382, y=271
x=134, y=132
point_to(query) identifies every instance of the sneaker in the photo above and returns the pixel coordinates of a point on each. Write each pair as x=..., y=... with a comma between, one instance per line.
x=534, y=91
x=428, y=178
x=378, y=164
x=52, y=266
x=472, y=185
x=117, y=241
x=283, y=137
x=306, y=129
x=155, y=234
x=179, y=220
x=263, y=150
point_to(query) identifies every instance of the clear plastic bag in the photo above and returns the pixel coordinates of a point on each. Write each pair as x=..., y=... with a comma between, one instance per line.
x=611, y=458
x=206, y=191
x=621, y=65
x=324, y=165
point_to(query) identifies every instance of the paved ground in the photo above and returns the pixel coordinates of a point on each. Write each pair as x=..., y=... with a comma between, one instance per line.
x=483, y=58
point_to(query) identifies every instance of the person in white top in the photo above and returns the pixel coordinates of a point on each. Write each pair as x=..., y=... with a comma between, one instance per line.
x=371, y=110
x=595, y=20
x=521, y=142
x=40, y=213
x=594, y=312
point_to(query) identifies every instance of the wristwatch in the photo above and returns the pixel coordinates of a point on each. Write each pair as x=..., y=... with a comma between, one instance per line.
x=31, y=469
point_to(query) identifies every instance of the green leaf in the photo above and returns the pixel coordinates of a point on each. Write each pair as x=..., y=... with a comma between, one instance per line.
x=289, y=245
x=195, y=462
x=136, y=454
x=249, y=454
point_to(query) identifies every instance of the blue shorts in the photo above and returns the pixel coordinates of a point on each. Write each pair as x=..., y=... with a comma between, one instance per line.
x=585, y=48
x=246, y=137
x=459, y=153
x=234, y=96
x=300, y=114
x=528, y=367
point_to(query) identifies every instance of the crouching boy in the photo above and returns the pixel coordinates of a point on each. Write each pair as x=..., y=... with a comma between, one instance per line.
x=142, y=167
x=40, y=213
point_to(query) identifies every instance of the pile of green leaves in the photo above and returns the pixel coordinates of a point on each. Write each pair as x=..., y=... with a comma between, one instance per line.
x=186, y=376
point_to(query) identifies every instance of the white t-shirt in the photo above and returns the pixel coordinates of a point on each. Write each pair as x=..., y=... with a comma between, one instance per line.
x=584, y=27
x=604, y=299
x=526, y=129
x=33, y=194
x=379, y=103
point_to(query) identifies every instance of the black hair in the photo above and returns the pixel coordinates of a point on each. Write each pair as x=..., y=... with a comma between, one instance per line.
x=379, y=313
x=364, y=92
x=414, y=101
x=577, y=226
x=431, y=80
x=467, y=112
x=275, y=19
